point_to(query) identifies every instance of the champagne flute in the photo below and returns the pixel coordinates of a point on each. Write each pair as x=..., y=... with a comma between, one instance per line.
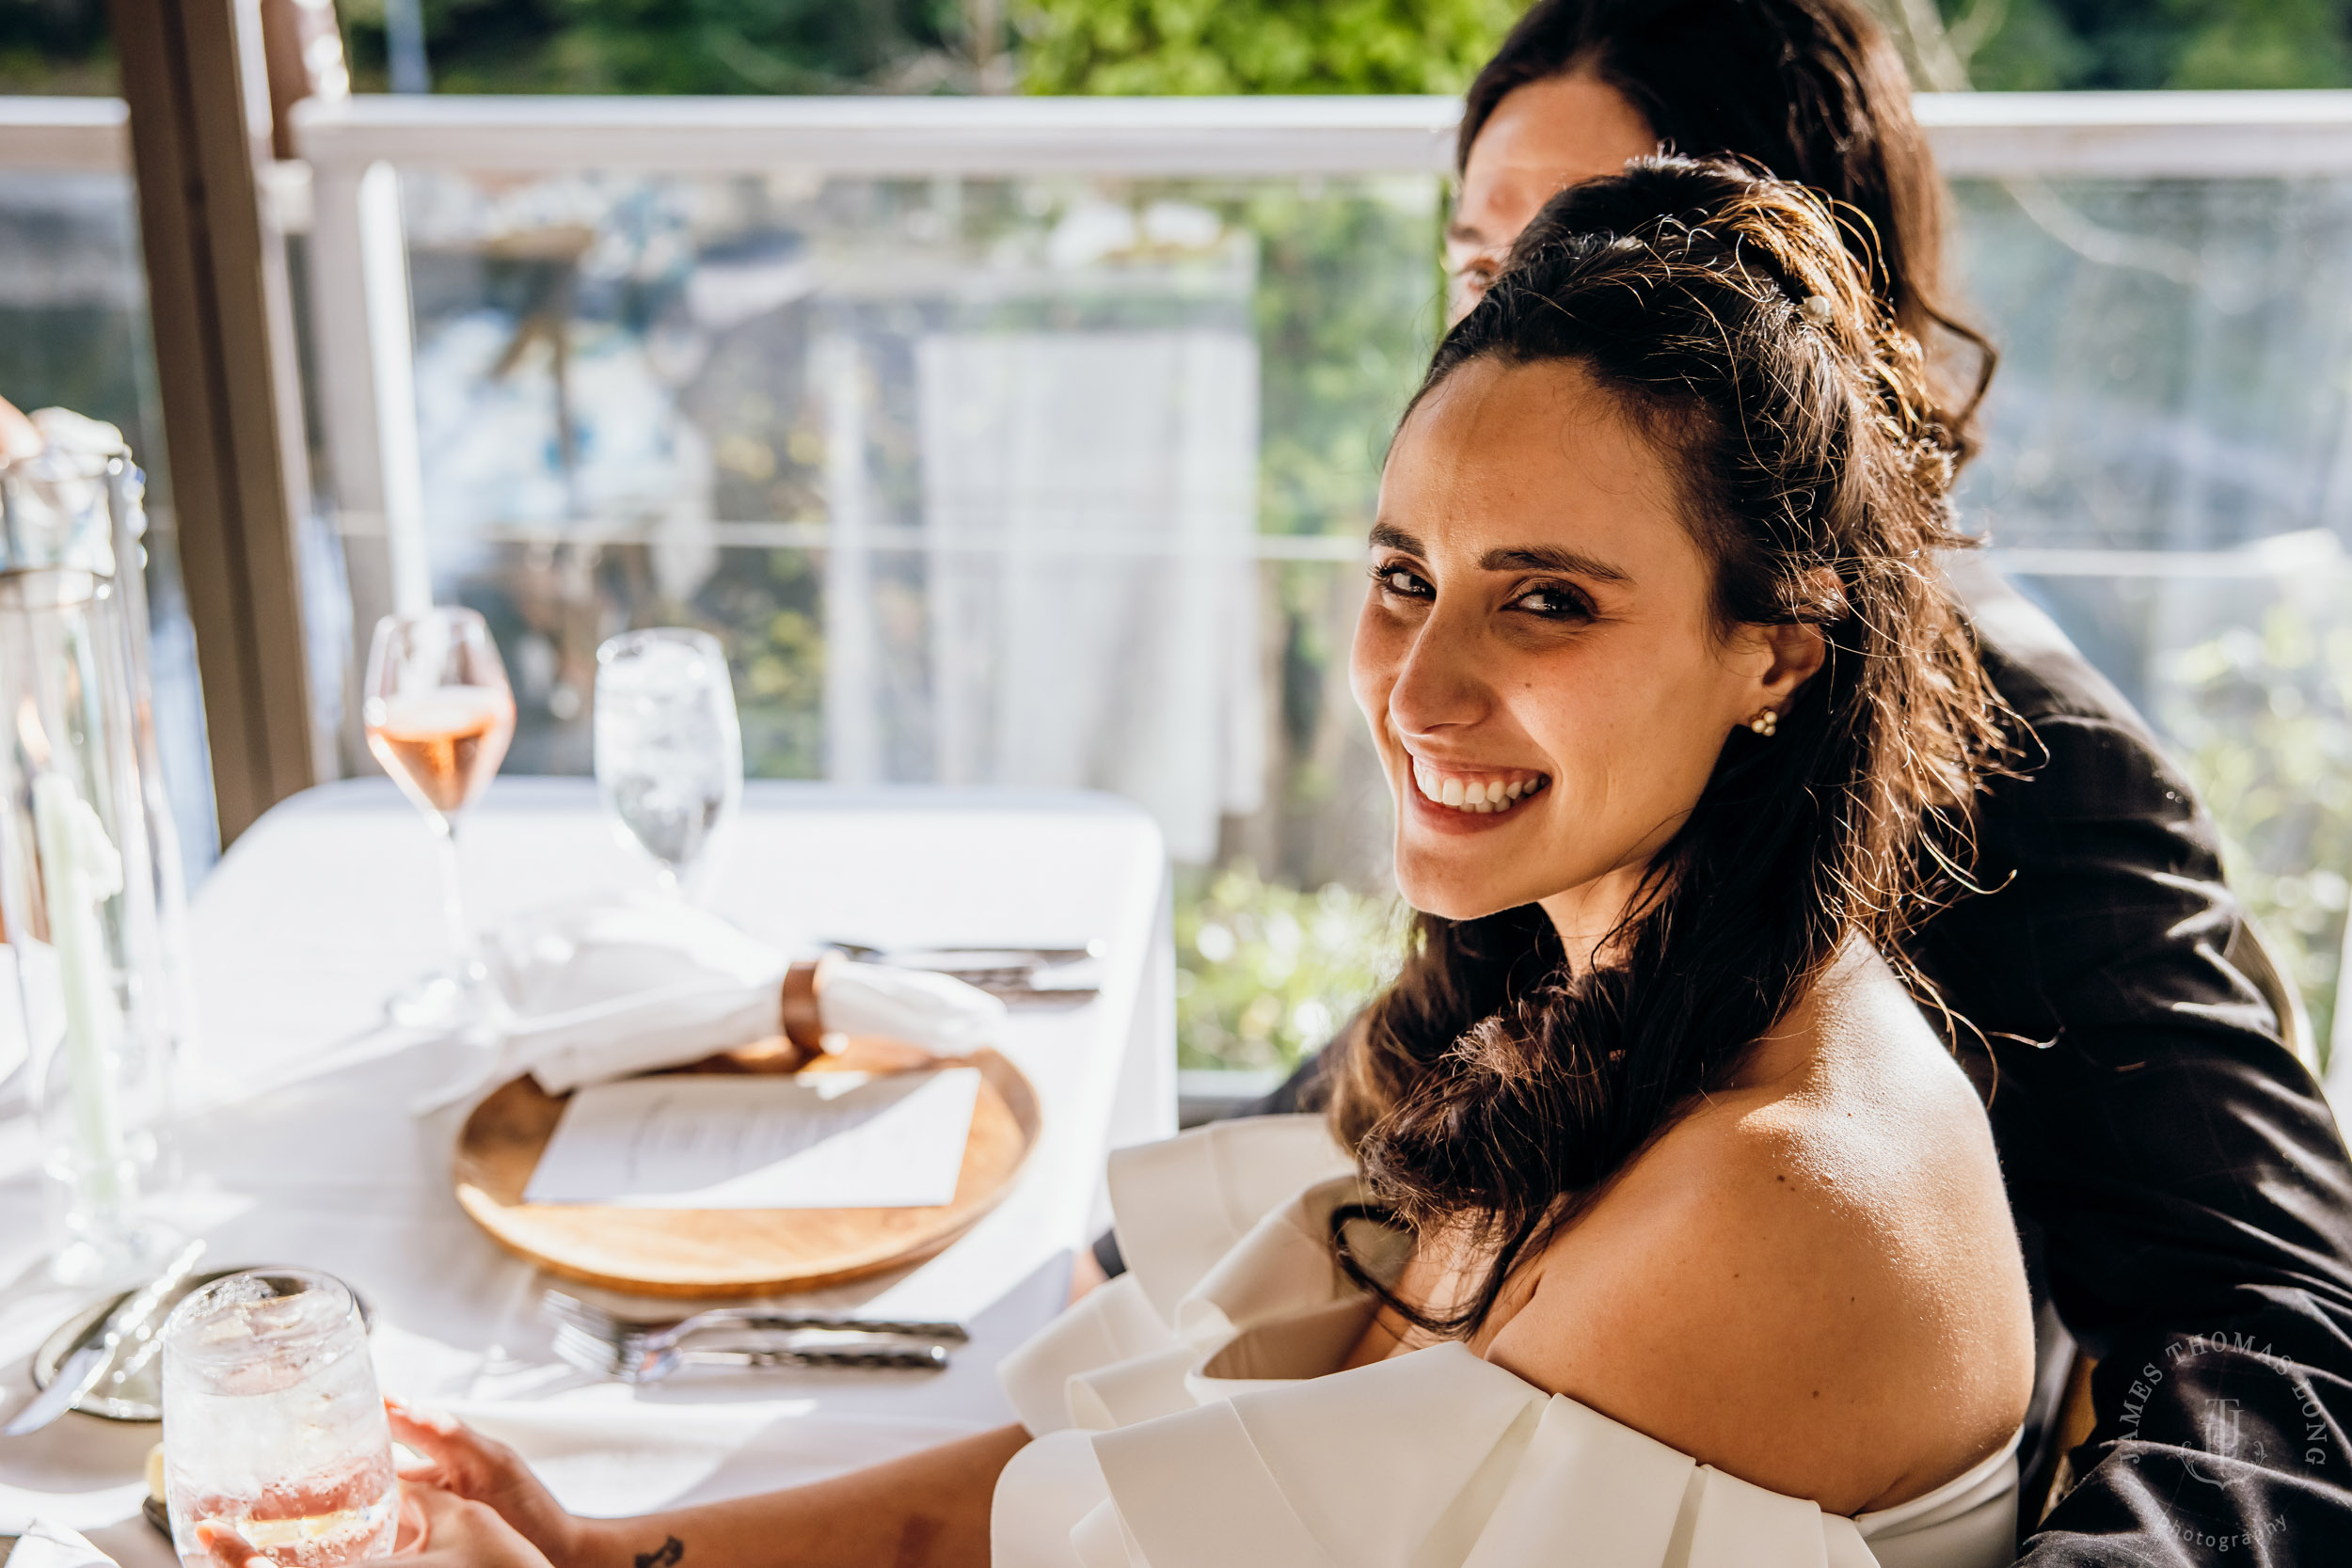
x=438, y=717
x=669, y=749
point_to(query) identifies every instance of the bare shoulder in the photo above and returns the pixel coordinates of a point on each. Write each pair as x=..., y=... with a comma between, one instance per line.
x=1813, y=1281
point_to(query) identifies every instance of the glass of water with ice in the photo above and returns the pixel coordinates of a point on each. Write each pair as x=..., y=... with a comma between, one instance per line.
x=272, y=1423
x=669, y=751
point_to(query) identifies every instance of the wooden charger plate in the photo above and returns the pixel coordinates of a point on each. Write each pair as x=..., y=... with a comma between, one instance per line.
x=735, y=1252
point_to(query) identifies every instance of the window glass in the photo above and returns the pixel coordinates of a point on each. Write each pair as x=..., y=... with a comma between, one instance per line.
x=73, y=334
x=1037, y=483
x=1062, y=482
x=2168, y=469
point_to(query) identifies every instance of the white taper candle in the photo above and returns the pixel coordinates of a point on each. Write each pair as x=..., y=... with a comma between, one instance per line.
x=80, y=869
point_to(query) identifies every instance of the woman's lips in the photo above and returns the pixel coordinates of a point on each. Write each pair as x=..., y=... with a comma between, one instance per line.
x=1473, y=794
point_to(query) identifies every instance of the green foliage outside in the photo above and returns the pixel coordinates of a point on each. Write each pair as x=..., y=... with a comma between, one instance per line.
x=1219, y=46
x=1348, y=303
x=2050, y=46
x=56, y=47
x=1344, y=334
x=675, y=46
x=2262, y=719
x=1171, y=46
x=1177, y=47
x=768, y=618
x=1266, y=973
x=1095, y=46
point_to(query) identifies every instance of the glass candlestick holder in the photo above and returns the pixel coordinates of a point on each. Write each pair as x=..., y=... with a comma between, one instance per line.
x=78, y=891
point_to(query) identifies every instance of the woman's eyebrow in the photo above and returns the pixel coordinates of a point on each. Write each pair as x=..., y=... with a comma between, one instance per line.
x=1551, y=557
x=1390, y=536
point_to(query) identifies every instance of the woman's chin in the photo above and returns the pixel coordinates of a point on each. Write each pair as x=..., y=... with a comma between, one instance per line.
x=1454, y=890
x=1461, y=865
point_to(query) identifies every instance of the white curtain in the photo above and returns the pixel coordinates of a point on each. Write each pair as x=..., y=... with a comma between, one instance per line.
x=1089, y=507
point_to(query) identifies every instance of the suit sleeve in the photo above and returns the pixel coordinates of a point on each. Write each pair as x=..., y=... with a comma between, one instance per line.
x=2181, y=1186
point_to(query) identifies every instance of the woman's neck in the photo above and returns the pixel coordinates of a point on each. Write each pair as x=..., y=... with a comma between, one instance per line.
x=1588, y=915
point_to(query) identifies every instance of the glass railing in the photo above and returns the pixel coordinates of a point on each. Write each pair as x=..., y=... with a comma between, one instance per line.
x=2168, y=469
x=1032, y=443
x=1051, y=481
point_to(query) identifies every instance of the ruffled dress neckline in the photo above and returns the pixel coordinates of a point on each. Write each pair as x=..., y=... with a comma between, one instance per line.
x=1188, y=1417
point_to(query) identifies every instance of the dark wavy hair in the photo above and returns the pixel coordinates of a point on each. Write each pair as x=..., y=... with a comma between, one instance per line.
x=1496, y=1087
x=1811, y=90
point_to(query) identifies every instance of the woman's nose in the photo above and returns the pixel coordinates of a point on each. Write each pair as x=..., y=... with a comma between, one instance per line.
x=1440, y=683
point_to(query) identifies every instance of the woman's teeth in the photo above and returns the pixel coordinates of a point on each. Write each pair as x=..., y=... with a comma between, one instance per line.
x=1482, y=793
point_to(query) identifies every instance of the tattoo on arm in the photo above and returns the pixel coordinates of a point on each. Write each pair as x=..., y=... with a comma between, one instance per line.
x=665, y=1556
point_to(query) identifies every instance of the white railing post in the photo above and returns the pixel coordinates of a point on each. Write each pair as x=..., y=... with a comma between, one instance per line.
x=392, y=358
x=339, y=336
x=360, y=315
x=853, y=742
x=367, y=392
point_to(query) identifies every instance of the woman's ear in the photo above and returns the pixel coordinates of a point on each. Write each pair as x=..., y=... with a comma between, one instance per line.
x=1798, y=652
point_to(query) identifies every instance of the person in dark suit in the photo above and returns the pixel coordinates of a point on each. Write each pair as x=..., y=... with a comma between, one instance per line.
x=2182, y=1189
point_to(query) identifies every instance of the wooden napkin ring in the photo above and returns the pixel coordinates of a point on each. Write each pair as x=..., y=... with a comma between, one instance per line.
x=804, y=1025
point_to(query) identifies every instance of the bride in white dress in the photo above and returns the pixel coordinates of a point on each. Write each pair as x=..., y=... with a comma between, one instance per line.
x=1651, y=1226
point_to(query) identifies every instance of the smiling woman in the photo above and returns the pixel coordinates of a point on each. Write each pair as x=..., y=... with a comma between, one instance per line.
x=1659, y=1211
x=1575, y=612
x=1652, y=546
x=1676, y=713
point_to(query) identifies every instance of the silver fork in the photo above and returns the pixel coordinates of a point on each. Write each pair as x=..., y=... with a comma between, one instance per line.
x=643, y=1336
x=807, y=1347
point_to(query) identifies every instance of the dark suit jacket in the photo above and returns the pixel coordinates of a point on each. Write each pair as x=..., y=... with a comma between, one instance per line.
x=2181, y=1189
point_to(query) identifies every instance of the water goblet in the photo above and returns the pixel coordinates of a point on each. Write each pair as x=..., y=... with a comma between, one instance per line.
x=273, y=1426
x=668, y=747
x=438, y=717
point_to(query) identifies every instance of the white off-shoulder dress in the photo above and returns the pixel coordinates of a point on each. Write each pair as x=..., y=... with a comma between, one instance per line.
x=1187, y=1415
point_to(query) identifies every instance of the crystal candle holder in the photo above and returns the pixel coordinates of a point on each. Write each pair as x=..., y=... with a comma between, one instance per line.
x=79, y=889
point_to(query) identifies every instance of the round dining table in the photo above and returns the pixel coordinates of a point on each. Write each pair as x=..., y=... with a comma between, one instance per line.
x=297, y=1140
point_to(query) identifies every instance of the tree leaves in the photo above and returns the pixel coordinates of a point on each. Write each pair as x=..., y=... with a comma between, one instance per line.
x=1190, y=47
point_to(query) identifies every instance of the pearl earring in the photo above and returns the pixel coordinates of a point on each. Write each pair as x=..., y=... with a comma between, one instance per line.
x=1765, y=723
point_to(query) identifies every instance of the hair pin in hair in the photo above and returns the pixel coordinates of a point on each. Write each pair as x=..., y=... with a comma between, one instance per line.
x=1818, y=309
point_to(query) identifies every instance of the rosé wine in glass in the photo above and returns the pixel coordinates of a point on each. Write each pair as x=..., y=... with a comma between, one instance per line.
x=442, y=747
x=439, y=715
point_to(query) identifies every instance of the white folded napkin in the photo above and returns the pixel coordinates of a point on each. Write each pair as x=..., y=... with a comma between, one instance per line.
x=923, y=1006
x=43, y=1545
x=608, y=990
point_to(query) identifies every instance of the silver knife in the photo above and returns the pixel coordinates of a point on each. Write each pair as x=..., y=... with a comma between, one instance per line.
x=949, y=958
x=1021, y=976
x=133, y=1323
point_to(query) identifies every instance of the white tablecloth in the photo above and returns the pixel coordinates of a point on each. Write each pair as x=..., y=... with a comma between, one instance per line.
x=298, y=1146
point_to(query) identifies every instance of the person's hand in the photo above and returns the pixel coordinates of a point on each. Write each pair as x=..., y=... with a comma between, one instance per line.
x=459, y=1533
x=454, y=1534
x=461, y=1462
